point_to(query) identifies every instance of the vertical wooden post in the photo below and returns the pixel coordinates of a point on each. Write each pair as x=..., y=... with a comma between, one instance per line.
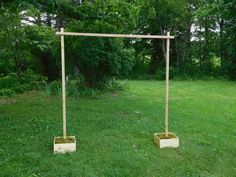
x=167, y=82
x=63, y=84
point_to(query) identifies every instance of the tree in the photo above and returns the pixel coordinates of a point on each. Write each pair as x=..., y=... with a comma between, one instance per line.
x=158, y=17
x=14, y=44
x=100, y=58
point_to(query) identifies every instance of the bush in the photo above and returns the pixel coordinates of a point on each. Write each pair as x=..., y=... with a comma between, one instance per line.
x=54, y=88
x=114, y=85
x=100, y=58
x=74, y=88
x=27, y=81
x=160, y=74
x=8, y=81
x=6, y=92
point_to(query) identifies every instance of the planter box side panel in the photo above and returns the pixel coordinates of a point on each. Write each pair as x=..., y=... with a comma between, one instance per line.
x=64, y=147
x=166, y=143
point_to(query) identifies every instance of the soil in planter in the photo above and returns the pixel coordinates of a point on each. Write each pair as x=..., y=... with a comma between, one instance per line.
x=61, y=140
x=163, y=136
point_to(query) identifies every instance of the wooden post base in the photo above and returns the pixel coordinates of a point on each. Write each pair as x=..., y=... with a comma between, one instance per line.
x=171, y=141
x=61, y=145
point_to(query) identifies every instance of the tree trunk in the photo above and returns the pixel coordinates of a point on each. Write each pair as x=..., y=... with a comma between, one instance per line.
x=49, y=20
x=48, y=67
x=200, y=49
x=14, y=52
x=157, y=58
x=206, y=46
x=222, y=50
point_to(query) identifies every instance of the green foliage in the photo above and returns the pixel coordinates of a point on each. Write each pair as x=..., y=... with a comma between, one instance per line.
x=28, y=80
x=99, y=58
x=44, y=45
x=203, y=30
x=6, y=92
x=75, y=88
x=114, y=85
x=8, y=81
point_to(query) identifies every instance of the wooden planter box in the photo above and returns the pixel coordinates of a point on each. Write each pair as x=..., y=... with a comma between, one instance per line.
x=61, y=145
x=172, y=141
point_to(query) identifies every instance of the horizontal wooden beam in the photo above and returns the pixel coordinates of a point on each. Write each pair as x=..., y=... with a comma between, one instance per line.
x=115, y=35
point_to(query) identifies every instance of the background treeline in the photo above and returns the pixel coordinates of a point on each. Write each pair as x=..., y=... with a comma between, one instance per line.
x=205, y=43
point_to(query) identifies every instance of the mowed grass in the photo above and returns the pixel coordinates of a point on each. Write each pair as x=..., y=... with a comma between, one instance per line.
x=114, y=132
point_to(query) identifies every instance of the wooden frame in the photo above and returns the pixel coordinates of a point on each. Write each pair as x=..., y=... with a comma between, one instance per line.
x=62, y=33
x=167, y=55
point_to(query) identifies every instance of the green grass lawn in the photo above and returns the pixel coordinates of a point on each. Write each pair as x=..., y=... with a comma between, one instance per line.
x=115, y=132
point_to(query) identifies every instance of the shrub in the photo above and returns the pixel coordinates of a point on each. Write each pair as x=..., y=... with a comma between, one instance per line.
x=74, y=88
x=8, y=81
x=6, y=92
x=99, y=58
x=114, y=85
x=27, y=81
x=54, y=88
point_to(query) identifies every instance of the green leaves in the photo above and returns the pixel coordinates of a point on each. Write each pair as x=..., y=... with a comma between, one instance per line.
x=204, y=31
